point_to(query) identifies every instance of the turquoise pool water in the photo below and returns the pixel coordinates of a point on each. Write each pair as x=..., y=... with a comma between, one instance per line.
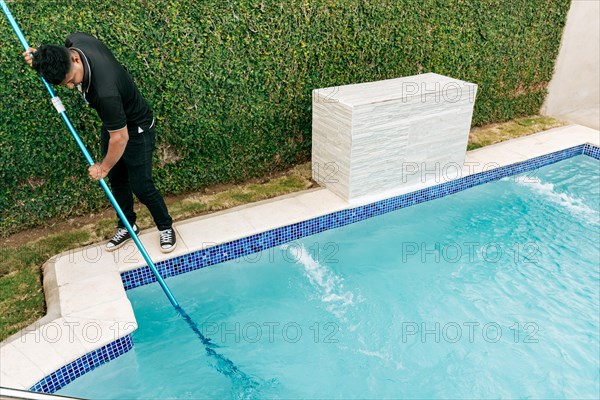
x=489, y=293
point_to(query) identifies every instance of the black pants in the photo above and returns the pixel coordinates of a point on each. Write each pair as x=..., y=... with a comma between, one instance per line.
x=133, y=175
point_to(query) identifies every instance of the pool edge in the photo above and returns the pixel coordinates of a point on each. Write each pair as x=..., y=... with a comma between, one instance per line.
x=273, y=237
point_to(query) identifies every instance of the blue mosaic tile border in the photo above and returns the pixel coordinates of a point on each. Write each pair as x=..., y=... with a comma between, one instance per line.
x=275, y=237
x=86, y=363
x=592, y=151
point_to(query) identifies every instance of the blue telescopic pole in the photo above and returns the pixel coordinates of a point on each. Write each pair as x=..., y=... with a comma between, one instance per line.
x=61, y=110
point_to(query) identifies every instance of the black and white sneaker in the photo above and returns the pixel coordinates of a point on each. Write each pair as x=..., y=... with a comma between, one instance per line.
x=121, y=237
x=168, y=242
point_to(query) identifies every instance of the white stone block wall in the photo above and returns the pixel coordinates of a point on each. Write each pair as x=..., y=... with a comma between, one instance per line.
x=375, y=137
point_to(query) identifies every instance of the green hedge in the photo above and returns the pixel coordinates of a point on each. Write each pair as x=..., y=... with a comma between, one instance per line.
x=230, y=81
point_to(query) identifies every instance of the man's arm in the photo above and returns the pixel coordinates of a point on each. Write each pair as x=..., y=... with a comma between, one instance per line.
x=116, y=148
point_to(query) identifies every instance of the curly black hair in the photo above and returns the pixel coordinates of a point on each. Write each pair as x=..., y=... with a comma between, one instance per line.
x=52, y=62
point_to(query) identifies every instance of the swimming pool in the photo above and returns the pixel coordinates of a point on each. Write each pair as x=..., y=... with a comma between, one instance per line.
x=490, y=292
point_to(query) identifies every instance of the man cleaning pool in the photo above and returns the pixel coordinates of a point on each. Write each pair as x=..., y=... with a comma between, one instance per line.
x=128, y=135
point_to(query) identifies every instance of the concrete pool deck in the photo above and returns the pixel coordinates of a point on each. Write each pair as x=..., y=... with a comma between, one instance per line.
x=87, y=304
